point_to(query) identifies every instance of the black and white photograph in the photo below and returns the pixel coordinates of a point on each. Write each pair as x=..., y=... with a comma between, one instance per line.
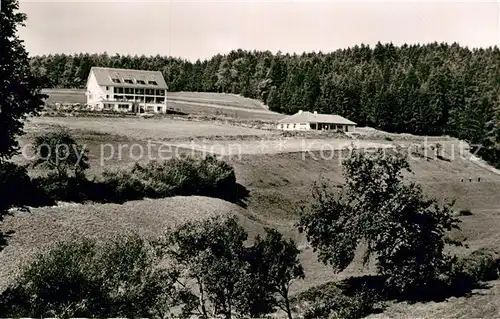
x=238, y=159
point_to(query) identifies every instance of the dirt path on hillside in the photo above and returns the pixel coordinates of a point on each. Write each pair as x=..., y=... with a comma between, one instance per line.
x=273, y=145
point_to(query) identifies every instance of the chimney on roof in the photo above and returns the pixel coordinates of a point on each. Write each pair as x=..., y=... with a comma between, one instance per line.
x=300, y=111
x=315, y=112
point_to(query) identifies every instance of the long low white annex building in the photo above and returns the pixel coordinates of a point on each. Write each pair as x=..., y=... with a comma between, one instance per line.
x=126, y=90
x=304, y=121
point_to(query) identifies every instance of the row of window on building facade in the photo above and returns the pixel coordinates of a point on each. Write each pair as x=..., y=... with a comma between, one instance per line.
x=130, y=81
x=128, y=107
x=119, y=90
x=132, y=98
x=316, y=126
x=288, y=125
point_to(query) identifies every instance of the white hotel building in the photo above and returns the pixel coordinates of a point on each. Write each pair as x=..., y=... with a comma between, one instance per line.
x=126, y=90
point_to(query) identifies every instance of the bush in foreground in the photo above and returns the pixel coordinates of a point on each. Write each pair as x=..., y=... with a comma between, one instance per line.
x=467, y=272
x=82, y=278
x=179, y=176
x=329, y=301
x=186, y=176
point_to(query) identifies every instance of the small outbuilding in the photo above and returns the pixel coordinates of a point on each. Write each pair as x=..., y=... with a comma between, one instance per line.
x=305, y=121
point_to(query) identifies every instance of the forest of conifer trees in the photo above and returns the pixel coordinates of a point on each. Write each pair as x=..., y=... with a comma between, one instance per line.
x=430, y=89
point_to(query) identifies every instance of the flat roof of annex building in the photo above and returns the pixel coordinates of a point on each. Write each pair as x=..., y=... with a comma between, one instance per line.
x=308, y=117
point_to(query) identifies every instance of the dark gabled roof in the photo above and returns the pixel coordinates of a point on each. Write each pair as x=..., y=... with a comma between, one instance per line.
x=105, y=76
x=308, y=117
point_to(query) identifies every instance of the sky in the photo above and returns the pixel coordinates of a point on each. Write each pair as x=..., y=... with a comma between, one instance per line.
x=200, y=29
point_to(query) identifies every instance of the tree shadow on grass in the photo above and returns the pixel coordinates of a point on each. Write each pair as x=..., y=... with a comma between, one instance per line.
x=237, y=195
x=437, y=291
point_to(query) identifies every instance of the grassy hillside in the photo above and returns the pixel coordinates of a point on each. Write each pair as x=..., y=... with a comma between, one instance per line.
x=484, y=303
x=140, y=128
x=278, y=184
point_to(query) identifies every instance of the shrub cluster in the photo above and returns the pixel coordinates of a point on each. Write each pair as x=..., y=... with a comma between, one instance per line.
x=179, y=176
x=329, y=301
x=185, y=176
x=81, y=278
x=469, y=271
x=66, y=180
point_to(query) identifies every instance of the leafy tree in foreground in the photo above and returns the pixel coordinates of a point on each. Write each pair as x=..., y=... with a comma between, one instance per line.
x=231, y=280
x=400, y=226
x=19, y=95
x=208, y=253
x=274, y=264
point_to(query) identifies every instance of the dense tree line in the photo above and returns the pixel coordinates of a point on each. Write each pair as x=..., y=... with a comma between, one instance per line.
x=423, y=89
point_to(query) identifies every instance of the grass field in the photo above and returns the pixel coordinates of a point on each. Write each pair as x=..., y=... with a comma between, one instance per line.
x=140, y=128
x=278, y=183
